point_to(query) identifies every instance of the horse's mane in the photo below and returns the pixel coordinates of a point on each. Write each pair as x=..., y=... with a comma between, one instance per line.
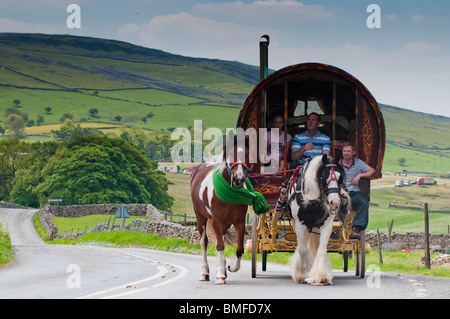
x=311, y=189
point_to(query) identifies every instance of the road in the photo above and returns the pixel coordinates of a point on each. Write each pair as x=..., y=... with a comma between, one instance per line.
x=92, y=272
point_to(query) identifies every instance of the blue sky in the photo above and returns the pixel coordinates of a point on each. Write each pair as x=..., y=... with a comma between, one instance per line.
x=404, y=63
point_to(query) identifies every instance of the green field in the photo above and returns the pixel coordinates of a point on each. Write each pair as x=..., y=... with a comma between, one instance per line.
x=416, y=161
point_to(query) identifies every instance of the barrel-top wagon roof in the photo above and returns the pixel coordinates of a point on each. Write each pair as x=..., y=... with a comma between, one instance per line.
x=334, y=89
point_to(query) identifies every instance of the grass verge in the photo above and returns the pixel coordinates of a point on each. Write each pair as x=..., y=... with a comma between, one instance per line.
x=6, y=251
x=393, y=261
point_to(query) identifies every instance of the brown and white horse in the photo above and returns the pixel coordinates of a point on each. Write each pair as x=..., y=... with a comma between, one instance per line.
x=316, y=200
x=215, y=215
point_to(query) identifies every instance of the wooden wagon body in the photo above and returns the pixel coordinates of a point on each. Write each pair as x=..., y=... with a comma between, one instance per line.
x=339, y=98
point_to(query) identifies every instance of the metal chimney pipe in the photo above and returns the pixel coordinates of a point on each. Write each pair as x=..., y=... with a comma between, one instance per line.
x=264, y=56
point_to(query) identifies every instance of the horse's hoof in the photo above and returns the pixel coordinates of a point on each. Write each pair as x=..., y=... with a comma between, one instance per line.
x=221, y=281
x=204, y=278
x=323, y=282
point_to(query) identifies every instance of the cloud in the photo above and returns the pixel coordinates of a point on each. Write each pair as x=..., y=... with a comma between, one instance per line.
x=391, y=17
x=190, y=35
x=421, y=47
x=41, y=5
x=11, y=25
x=417, y=18
x=267, y=11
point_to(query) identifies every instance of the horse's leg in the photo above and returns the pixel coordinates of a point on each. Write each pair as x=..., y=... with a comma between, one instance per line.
x=201, y=226
x=221, y=272
x=301, y=260
x=204, y=244
x=240, y=232
x=321, y=272
x=313, y=240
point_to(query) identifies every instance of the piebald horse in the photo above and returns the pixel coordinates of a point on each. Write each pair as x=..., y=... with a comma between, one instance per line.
x=215, y=215
x=315, y=200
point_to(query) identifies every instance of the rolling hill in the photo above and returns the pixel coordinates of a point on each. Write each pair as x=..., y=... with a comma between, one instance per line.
x=75, y=74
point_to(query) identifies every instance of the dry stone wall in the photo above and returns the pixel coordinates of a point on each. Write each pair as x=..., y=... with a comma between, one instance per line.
x=156, y=223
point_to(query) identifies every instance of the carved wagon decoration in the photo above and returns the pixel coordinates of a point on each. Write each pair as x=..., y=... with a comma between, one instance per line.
x=295, y=92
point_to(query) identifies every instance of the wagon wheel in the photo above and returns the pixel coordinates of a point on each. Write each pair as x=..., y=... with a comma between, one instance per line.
x=363, y=255
x=360, y=267
x=345, y=260
x=254, y=251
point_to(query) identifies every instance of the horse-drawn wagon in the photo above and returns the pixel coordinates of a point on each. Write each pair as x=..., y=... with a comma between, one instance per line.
x=339, y=98
x=316, y=204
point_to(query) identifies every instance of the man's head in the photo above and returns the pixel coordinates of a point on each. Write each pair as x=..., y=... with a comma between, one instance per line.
x=313, y=122
x=348, y=150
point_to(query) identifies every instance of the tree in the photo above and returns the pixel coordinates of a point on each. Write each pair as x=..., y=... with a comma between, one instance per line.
x=118, y=118
x=13, y=110
x=91, y=169
x=15, y=123
x=2, y=130
x=71, y=129
x=48, y=110
x=16, y=103
x=12, y=152
x=40, y=120
x=93, y=111
x=67, y=116
x=401, y=161
x=29, y=176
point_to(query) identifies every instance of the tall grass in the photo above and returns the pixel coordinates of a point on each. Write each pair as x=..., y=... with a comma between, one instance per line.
x=6, y=252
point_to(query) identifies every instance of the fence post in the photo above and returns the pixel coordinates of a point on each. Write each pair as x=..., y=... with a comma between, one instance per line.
x=380, y=255
x=390, y=225
x=427, y=238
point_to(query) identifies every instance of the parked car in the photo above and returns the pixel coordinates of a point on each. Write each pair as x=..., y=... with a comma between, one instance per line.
x=406, y=182
x=399, y=184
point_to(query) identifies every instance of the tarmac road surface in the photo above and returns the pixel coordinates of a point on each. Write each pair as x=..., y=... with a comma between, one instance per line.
x=92, y=272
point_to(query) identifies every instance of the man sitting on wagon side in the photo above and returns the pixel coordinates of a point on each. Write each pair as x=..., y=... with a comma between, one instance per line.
x=309, y=143
x=355, y=169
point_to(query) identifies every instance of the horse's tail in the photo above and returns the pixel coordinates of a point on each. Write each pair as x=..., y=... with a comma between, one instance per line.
x=228, y=238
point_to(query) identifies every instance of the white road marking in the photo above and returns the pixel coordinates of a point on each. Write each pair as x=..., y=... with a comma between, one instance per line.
x=162, y=270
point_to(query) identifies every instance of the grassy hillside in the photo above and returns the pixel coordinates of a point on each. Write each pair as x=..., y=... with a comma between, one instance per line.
x=75, y=74
x=419, y=131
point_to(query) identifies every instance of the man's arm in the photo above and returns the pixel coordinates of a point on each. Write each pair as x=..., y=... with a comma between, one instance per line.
x=297, y=154
x=367, y=174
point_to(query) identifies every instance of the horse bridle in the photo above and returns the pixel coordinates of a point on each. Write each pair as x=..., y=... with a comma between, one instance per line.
x=329, y=190
x=230, y=169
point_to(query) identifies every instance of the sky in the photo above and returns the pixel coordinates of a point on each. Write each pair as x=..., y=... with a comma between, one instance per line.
x=400, y=50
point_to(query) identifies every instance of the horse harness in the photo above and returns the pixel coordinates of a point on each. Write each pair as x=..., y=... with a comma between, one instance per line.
x=314, y=207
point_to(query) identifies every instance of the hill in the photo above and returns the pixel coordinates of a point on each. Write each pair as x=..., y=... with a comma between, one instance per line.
x=75, y=74
x=69, y=73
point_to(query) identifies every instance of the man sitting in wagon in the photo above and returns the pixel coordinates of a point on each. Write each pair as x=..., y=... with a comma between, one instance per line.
x=305, y=145
x=309, y=143
x=355, y=169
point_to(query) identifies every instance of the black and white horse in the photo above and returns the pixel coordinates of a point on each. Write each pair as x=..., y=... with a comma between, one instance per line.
x=315, y=200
